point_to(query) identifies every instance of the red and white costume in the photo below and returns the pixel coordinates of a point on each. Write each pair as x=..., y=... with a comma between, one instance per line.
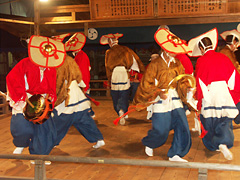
x=208, y=72
x=27, y=77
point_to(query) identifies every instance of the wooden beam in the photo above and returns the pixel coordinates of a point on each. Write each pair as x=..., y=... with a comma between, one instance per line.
x=16, y=21
x=59, y=20
x=65, y=9
x=171, y=20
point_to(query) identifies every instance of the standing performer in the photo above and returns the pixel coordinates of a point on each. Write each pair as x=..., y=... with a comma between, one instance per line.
x=119, y=60
x=218, y=86
x=168, y=111
x=82, y=61
x=33, y=75
x=72, y=106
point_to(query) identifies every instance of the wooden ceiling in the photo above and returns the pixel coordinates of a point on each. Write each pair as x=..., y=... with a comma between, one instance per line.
x=61, y=16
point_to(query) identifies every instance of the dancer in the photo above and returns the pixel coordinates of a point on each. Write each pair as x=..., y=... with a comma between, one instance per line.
x=119, y=60
x=168, y=111
x=217, y=89
x=35, y=74
x=72, y=106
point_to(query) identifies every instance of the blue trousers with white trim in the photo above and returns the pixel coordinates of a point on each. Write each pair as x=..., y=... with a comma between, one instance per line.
x=220, y=131
x=162, y=123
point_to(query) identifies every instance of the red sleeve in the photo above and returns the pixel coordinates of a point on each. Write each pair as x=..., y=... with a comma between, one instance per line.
x=84, y=64
x=26, y=69
x=16, y=83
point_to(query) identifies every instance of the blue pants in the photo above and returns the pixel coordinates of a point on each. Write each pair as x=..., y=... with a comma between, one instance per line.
x=162, y=123
x=133, y=89
x=120, y=100
x=220, y=131
x=39, y=138
x=82, y=121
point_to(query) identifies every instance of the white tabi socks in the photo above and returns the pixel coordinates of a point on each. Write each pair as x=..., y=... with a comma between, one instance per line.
x=177, y=158
x=226, y=152
x=149, y=151
x=99, y=144
x=18, y=150
x=122, y=120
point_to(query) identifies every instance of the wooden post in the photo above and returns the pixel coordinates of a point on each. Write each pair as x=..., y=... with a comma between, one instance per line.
x=86, y=29
x=73, y=16
x=36, y=17
x=40, y=170
x=202, y=174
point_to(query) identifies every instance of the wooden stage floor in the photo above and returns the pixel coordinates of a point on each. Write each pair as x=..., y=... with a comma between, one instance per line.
x=121, y=142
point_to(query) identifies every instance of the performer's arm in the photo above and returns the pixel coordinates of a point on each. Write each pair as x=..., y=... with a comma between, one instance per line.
x=147, y=88
x=16, y=83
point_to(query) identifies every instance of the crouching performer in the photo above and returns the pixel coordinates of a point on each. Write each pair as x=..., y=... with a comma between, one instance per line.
x=218, y=87
x=168, y=112
x=34, y=76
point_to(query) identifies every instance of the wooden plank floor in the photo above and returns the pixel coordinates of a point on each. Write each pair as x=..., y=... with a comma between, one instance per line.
x=121, y=142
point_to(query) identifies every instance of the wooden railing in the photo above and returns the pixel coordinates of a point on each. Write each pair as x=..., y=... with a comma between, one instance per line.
x=98, y=86
x=40, y=169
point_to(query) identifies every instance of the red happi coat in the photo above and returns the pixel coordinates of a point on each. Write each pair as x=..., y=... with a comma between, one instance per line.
x=214, y=66
x=84, y=64
x=16, y=81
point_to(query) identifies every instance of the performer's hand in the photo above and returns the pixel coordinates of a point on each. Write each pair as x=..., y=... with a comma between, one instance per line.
x=18, y=105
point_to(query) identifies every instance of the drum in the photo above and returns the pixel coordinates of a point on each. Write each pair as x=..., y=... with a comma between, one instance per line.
x=38, y=109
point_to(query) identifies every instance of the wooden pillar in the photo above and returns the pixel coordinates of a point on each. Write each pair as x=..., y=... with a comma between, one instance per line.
x=36, y=17
x=202, y=174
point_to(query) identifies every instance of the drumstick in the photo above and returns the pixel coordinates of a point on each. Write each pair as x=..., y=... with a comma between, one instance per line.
x=32, y=106
x=26, y=99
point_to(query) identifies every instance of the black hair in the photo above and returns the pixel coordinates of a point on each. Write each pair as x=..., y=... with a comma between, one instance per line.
x=207, y=43
x=231, y=38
